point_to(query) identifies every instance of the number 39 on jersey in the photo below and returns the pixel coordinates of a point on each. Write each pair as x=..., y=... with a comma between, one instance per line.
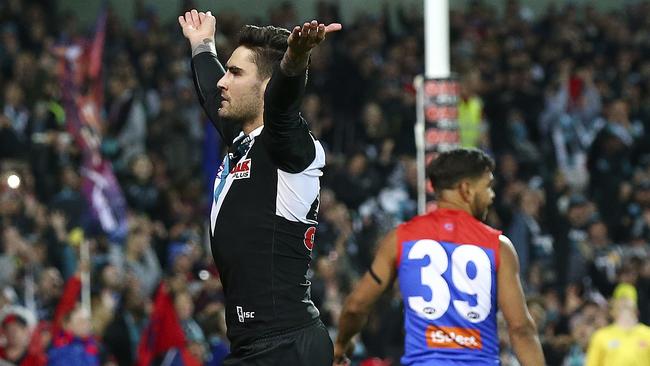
x=470, y=280
x=449, y=290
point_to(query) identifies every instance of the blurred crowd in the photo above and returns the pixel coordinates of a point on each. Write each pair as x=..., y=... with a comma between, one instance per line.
x=561, y=99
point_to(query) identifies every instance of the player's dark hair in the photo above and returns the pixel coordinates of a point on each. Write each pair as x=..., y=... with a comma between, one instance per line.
x=268, y=45
x=450, y=167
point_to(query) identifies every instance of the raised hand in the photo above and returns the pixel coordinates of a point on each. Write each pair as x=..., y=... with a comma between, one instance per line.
x=198, y=26
x=303, y=39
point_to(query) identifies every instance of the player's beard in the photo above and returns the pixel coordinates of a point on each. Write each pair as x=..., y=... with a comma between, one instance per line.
x=245, y=108
x=480, y=209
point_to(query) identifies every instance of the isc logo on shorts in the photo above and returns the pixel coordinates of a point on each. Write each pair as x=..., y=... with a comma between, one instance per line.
x=242, y=170
x=453, y=337
x=243, y=315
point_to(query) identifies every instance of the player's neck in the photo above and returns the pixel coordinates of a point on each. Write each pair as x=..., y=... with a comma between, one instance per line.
x=452, y=204
x=250, y=126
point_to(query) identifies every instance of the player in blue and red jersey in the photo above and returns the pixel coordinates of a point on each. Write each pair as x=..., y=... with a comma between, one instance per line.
x=454, y=274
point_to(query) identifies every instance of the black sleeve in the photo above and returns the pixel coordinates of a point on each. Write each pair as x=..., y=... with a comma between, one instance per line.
x=286, y=134
x=206, y=71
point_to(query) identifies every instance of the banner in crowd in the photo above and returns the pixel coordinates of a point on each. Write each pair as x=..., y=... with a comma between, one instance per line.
x=164, y=337
x=82, y=96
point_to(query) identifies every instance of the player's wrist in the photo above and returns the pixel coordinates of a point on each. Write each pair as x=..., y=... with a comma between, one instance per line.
x=202, y=44
x=340, y=347
x=341, y=352
x=295, y=55
x=294, y=62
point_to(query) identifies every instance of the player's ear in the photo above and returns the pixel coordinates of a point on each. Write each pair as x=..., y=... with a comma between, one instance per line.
x=466, y=189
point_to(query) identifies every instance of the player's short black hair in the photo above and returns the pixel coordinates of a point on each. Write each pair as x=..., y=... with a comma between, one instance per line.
x=450, y=167
x=268, y=45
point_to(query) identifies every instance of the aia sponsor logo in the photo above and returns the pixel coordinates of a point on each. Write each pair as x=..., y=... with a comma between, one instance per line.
x=453, y=337
x=310, y=234
x=242, y=170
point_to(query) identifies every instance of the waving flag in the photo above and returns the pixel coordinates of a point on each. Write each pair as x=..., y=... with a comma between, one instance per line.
x=82, y=86
x=102, y=190
x=163, y=339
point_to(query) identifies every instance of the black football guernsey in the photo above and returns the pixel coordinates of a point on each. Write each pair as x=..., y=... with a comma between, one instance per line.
x=264, y=206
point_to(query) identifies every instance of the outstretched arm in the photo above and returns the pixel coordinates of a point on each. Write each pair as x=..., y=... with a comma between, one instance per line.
x=199, y=28
x=521, y=327
x=358, y=304
x=287, y=135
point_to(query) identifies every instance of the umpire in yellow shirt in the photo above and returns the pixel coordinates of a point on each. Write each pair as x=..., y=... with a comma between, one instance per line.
x=625, y=342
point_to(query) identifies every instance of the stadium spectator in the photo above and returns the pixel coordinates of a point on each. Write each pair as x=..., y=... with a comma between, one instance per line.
x=20, y=345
